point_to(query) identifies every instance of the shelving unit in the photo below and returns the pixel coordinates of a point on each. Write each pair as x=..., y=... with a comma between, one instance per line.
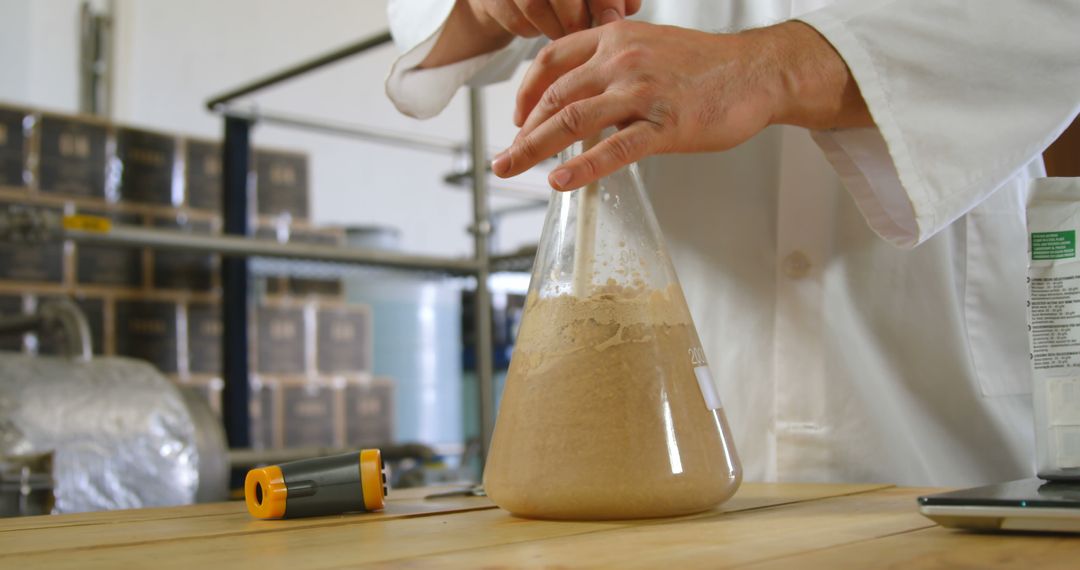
x=237, y=245
x=238, y=124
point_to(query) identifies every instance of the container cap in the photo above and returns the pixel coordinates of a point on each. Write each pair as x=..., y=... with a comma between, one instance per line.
x=372, y=479
x=265, y=492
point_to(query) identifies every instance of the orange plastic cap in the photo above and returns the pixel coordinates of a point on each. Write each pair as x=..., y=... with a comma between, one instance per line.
x=371, y=479
x=265, y=492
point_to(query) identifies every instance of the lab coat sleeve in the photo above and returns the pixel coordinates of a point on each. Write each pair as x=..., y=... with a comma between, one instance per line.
x=964, y=94
x=423, y=93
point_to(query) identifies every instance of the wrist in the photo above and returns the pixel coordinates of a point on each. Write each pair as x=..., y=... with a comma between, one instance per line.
x=809, y=83
x=467, y=33
x=478, y=21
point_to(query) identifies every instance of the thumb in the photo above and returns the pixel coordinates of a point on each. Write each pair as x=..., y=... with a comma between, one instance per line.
x=607, y=11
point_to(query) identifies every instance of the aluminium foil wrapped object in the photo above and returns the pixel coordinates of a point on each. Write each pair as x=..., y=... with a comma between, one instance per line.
x=122, y=435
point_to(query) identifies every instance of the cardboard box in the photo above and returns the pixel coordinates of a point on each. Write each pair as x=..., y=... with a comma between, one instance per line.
x=305, y=287
x=209, y=389
x=184, y=270
x=281, y=185
x=11, y=306
x=31, y=263
x=369, y=412
x=204, y=328
x=147, y=330
x=147, y=160
x=95, y=310
x=71, y=156
x=265, y=414
x=110, y=265
x=203, y=174
x=309, y=414
x=280, y=338
x=321, y=237
x=287, y=233
x=343, y=339
x=13, y=147
x=269, y=233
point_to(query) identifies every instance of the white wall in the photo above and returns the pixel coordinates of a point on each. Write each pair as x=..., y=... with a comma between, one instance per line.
x=171, y=56
x=176, y=54
x=39, y=53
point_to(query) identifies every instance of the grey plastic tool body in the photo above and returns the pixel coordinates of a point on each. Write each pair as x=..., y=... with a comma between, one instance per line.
x=323, y=486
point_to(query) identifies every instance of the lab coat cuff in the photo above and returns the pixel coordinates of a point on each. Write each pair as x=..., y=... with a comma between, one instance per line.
x=875, y=164
x=424, y=93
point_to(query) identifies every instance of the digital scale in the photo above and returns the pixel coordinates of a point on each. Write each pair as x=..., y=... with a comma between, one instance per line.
x=1024, y=505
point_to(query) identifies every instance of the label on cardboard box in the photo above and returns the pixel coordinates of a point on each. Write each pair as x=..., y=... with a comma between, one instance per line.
x=307, y=415
x=12, y=147
x=183, y=270
x=108, y=265
x=147, y=330
x=369, y=413
x=203, y=175
x=147, y=161
x=279, y=340
x=72, y=157
x=281, y=183
x=343, y=340
x=204, y=338
x=264, y=417
x=31, y=263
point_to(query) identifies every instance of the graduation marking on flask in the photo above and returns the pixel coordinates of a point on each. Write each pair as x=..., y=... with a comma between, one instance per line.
x=704, y=379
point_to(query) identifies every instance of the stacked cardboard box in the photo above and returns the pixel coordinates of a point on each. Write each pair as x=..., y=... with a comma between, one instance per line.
x=310, y=351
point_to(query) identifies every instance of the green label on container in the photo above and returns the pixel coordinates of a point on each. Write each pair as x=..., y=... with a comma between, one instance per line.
x=1053, y=245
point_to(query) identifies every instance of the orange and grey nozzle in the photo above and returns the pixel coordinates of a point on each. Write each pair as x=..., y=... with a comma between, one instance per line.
x=345, y=483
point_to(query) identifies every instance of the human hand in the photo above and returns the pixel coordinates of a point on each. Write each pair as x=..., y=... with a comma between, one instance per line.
x=669, y=89
x=552, y=18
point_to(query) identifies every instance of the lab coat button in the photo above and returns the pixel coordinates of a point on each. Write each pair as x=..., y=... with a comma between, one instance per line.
x=796, y=265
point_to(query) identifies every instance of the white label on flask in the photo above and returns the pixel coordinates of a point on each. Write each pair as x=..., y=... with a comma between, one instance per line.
x=708, y=389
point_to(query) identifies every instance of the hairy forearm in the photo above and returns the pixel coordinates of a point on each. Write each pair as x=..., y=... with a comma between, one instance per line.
x=465, y=35
x=814, y=87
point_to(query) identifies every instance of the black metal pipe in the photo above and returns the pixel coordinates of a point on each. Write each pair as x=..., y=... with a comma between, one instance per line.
x=338, y=128
x=234, y=284
x=301, y=68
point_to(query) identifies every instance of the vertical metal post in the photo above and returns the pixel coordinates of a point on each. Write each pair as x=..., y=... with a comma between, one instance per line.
x=95, y=60
x=481, y=235
x=234, y=284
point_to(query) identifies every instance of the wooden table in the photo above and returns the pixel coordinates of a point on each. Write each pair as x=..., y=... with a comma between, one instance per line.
x=763, y=526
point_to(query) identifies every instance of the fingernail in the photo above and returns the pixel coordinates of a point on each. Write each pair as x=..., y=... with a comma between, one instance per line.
x=518, y=119
x=560, y=178
x=501, y=163
x=610, y=15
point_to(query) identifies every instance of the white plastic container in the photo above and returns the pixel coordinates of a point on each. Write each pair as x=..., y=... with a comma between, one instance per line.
x=1054, y=324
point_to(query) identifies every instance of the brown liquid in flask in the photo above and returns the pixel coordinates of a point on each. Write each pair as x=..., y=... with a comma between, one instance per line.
x=609, y=410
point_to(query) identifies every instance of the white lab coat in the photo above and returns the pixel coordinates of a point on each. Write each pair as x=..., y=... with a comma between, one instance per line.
x=842, y=355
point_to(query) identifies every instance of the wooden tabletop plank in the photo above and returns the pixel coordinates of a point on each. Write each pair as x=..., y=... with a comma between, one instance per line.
x=237, y=522
x=715, y=541
x=110, y=517
x=938, y=547
x=228, y=509
x=312, y=547
x=325, y=542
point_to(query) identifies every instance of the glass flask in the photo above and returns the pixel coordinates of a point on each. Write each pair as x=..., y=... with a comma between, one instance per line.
x=609, y=410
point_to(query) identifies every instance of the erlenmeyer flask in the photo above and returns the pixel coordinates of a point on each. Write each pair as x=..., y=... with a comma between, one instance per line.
x=609, y=410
